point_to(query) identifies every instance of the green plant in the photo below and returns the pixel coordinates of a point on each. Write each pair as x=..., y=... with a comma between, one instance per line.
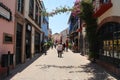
x=69, y=45
x=91, y=22
x=86, y=13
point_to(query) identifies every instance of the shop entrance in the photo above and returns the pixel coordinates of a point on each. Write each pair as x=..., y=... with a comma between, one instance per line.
x=28, y=41
x=109, y=42
x=18, y=43
x=37, y=42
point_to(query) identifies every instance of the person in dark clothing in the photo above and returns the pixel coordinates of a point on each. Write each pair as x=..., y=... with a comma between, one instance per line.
x=42, y=46
x=45, y=48
x=63, y=46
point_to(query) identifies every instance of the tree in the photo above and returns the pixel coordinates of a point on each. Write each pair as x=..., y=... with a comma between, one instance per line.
x=84, y=10
x=91, y=22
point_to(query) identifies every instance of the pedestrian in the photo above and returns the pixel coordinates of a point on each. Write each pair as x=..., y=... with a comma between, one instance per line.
x=55, y=45
x=42, y=46
x=66, y=47
x=63, y=46
x=59, y=49
x=45, y=48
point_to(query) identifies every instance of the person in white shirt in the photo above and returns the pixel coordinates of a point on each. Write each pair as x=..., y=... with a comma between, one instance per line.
x=60, y=49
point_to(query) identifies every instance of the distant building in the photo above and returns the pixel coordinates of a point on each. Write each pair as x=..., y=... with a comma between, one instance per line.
x=64, y=35
x=56, y=38
x=21, y=30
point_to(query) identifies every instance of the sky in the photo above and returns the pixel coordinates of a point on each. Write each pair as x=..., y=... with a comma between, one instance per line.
x=58, y=22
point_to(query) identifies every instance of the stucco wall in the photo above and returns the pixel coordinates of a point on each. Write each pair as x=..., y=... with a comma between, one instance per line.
x=7, y=27
x=113, y=11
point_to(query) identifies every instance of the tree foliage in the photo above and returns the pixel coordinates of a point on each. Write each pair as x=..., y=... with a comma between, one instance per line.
x=57, y=10
x=86, y=13
x=91, y=22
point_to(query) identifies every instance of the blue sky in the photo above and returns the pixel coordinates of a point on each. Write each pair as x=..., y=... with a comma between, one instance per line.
x=58, y=22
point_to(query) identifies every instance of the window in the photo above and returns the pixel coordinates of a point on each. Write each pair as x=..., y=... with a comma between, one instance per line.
x=5, y=12
x=104, y=1
x=7, y=38
x=31, y=8
x=110, y=39
x=20, y=6
x=39, y=20
x=36, y=14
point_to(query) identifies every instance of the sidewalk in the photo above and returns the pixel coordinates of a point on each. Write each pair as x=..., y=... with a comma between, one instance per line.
x=72, y=66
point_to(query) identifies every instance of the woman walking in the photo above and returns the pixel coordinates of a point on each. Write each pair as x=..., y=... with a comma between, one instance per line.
x=60, y=49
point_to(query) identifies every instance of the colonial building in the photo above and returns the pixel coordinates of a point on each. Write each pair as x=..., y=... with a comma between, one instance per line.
x=64, y=35
x=56, y=38
x=33, y=27
x=21, y=34
x=75, y=29
x=45, y=27
x=108, y=32
x=7, y=24
x=27, y=29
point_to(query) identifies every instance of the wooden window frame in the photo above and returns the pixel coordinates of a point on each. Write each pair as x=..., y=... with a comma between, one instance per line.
x=7, y=42
x=20, y=6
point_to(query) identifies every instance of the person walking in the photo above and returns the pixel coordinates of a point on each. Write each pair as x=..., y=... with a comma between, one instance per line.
x=66, y=47
x=45, y=48
x=60, y=50
x=63, y=46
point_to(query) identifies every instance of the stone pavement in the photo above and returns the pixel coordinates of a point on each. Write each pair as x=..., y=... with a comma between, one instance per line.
x=72, y=66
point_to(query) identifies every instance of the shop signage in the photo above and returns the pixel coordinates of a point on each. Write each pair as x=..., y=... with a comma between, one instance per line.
x=29, y=27
x=5, y=12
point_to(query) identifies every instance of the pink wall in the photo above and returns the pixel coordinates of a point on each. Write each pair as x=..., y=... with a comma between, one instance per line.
x=7, y=27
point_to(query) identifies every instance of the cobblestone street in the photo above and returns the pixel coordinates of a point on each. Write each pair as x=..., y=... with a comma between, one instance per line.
x=72, y=66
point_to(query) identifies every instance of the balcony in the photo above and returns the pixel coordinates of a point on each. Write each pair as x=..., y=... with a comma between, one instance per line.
x=102, y=7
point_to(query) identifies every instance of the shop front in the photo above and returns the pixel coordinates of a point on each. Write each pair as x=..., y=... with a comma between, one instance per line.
x=37, y=42
x=19, y=32
x=109, y=43
x=28, y=41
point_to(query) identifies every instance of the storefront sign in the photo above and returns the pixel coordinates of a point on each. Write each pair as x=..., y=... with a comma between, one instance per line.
x=29, y=27
x=5, y=12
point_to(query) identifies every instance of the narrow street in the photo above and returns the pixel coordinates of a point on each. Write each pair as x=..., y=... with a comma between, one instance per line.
x=72, y=66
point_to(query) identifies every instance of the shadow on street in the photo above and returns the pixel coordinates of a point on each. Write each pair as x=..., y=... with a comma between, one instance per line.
x=19, y=68
x=90, y=68
x=94, y=69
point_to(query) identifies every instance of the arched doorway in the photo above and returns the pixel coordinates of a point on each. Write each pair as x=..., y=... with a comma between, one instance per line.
x=109, y=42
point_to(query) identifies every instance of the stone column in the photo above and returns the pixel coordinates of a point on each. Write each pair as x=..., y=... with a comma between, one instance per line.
x=32, y=42
x=23, y=44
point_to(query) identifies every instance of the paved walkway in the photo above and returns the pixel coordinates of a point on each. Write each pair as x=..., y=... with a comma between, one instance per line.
x=72, y=66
